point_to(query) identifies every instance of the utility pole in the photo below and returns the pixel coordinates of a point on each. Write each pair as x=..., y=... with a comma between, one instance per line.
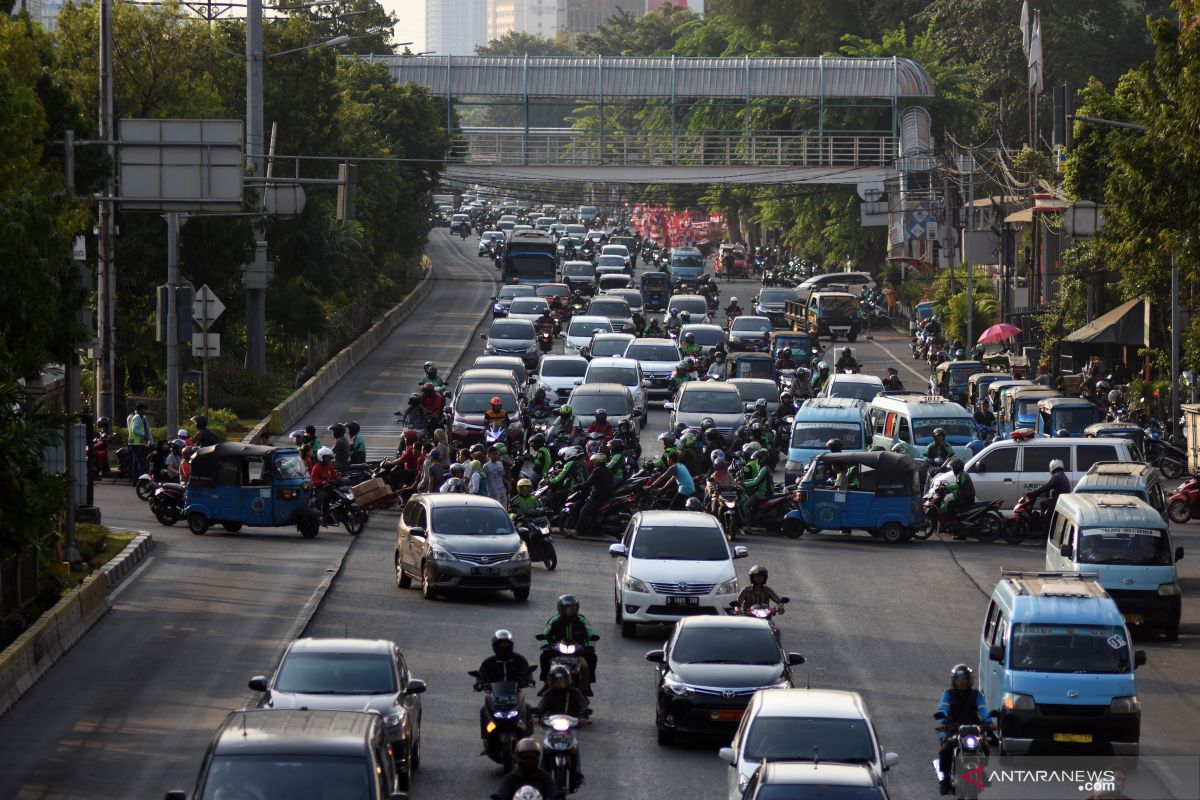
x=969, y=161
x=172, y=323
x=71, y=383
x=256, y=274
x=106, y=284
x=1173, y=428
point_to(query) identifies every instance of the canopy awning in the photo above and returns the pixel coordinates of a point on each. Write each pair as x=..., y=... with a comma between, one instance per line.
x=1124, y=325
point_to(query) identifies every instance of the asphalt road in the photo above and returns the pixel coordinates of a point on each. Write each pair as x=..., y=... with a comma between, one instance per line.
x=129, y=711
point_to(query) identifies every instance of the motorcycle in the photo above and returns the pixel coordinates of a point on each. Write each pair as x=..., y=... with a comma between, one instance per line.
x=725, y=504
x=343, y=509
x=981, y=520
x=1027, y=521
x=770, y=513
x=506, y=715
x=167, y=503
x=609, y=519
x=970, y=744
x=560, y=747
x=545, y=341
x=1170, y=459
x=573, y=657
x=765, y=611
x=494, y=434
x=1185, y=503
x=535, y=532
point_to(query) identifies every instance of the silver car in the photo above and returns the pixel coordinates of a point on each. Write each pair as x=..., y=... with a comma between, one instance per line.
x=696, y=400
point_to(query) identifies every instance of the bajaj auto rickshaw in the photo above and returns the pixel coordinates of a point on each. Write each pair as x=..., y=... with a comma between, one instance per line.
x=1118, y=430
x=244, y=484
x=877, y=491
x=1020, y=408
x=997, y=390
x=955, y=375
x=750, y=365
x=799, y=343
x=977, y=385
x=656, y=291
x=925, y=310
x=1072, y=414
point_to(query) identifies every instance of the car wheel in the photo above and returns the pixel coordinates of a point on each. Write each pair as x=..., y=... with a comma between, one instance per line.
x=628, y=629
x=892, y=533
x=403, y=579
x=618, y=617
x=416, y=753
x=232, y=527
x=197, y=523
x=521, y=594
x=428, y=582
x=1180, y=511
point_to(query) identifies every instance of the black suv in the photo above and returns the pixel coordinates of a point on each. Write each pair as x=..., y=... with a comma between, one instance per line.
x=278, y=754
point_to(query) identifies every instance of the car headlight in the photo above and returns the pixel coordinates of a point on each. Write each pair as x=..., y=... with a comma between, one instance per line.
x=728, y=587
x=1168, y=589
x=395, y=718
x=632, y=584
x=438, y=554
x=1018, y=702
x=673, y=685
x=461, y=426
x=522, y=554
x=782, y=683
x=1125, y=705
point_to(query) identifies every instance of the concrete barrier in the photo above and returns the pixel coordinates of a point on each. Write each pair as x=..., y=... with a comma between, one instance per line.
x=300, y=402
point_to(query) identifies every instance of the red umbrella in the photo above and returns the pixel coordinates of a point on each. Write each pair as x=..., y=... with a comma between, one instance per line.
x=998, y=333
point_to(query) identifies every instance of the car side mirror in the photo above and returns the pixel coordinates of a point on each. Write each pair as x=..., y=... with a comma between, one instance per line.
x=996, y=653
x=740, y=552
x=1066, y=551
x=795, y=659
x=727, y=755
x=616, y=550
x=175, y=794
x=483, y=336
x=541, y=637
x=655, y=656
x=668, y=405
x=258, y=683
x=415, y=686
x=417, y=532
x=979, y=468
x=1139, y=658
x=594, y=638
x=1179, y=554
x=890, y=760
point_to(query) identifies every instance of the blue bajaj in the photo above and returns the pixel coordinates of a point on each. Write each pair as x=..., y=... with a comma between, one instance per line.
x=236, y=484
x=877, y=491
x=656, y=291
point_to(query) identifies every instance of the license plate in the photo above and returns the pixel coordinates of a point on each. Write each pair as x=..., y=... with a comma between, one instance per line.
x=559, y=741
x=481, y=570
x=683, y=601
x=729, y=715
x=1135, y=619
x=1081, y=738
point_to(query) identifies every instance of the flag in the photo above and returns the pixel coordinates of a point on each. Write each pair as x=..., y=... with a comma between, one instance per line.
x=1025, y=30
x=1037, y=66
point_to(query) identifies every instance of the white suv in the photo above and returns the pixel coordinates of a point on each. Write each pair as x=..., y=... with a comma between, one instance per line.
x=795, y=724
x=671, y=565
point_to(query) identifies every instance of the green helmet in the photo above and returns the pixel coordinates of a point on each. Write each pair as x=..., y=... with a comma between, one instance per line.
x=688, y=439
x=564, y=410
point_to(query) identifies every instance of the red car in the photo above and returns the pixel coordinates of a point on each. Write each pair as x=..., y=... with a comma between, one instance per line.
x=467, y=421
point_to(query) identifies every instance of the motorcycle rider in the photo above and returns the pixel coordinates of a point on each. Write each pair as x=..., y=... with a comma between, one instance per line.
x=1049, y=492
x=496, y=415
x=341, y=446
x=524, y=504
x=673, y=323
x=690, y=454
x=785, y=360
x=892, y=382
x=785, y=409
x=415, y=416
x=546, y=322
x=528, y=773
x=757, y=593
x=600, y=489
x=204, y=437
x=654, y=329
x=639, y=323
x=668, y=440
x=760, y=413
x=718, y=476
x=733, y=309
x=455, y=483
x=432, y=401
x=675, y=474
x=540, y=455
x=568, y=625
x=539, y=405
x=961, y=704
x=821, y=377
x=847, y=361
x=358, y=447
x=984, y=416
x=572, y=472
x=961, y=496
x=566, y=426
x=431, y=376
x=323, y=475
x=758, y=486
x=689, y=346
x=601, y=425
x=616, y=461
x=503, y=665
x=938, y=449
x=681, y=375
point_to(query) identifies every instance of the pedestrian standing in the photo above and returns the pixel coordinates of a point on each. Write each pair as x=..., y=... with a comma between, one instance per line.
x=478, y=484
x=138, y=439
x=497, y=481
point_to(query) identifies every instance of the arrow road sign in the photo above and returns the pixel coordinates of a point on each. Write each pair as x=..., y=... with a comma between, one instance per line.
x=207, y=307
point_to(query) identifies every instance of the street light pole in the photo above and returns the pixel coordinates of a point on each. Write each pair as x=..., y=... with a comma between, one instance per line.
x=255, y=274
x=106, y=284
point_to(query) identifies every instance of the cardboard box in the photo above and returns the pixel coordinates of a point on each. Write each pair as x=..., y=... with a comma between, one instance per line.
x=366, y=487
x=372, y=496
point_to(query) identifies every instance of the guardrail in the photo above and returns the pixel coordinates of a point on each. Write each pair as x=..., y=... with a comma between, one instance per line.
x=587, y=148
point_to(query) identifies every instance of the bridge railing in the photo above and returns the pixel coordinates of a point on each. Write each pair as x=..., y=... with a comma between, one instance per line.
x=563, y=147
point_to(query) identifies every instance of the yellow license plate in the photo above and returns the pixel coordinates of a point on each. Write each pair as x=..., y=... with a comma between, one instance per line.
x=1081, y=738
x=1135, y=619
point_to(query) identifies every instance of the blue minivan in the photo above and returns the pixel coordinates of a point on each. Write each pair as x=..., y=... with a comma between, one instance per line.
x=686, y=264
x=1056, y=666
x=819, y=420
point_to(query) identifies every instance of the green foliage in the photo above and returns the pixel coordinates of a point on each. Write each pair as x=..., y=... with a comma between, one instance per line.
x=1067, y=310
x=520, y=43
x=950, y=295
x=651, y=34
x=231, y=385
x=1089, y=162
x=30, y=500
x=1037, y=164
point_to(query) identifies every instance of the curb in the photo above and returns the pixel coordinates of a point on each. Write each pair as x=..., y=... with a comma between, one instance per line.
x=38, y=649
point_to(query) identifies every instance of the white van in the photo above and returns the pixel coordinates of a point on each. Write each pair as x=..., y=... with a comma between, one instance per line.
x=912, y=417
x=1005, y=470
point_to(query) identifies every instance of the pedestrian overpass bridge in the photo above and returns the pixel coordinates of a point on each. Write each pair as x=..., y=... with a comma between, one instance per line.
x=677, y=120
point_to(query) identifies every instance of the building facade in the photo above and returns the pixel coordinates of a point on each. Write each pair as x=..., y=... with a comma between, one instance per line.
x=455, y=27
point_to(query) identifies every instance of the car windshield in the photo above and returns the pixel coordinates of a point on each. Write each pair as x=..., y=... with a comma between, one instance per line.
x=476, y=403
x=1086, y=649
x=690, y=261
x=694, y=543
x=286, y=777
x=633, y=298
x=552, y=290
x=488, y=520
x=1134, y=546
x=816, y=791
x=750, y=324
x=290, y=467
x=564, y=368
x=516, y=329
x=603, y=348
x=586, y=404
x=579, y=270
x=652, y=352
x=726, y=646
x=960, y=378
x=626, y=376
x=527, y=305
x=837, y=304
x=814, y=435
x=855, y=390
x=692, y=305
x=706, y=337
x=585, y=328
x=959, y=430
x=775, y=296
x=610, y=261
x=609, y=308
x=489, y=236
x=750, y=392
x=701, y=401
x=799, y=738
x=509, y=292
x=1073, y=419
x=336, y=673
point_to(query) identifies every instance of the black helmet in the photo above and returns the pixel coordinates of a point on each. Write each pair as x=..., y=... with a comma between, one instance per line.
x=103, y=422
x=939, y=432
x=707, y=422
x=846, y=351
x=537, y=440
x=337, y=430
x=761, y=454
x=680, y=427
x=693, y=504
x=834, y=445
x=668, y=439
x=559, y=677
x=756, y=570
x=414, y=399
x=352, y=427
x=1062, y=433
x=961, y=672
x=565, y=602
x=502, y=643
x=616, y=446
x=201, y=421
x=601, y=415
x=956, y=464
x=528, y=753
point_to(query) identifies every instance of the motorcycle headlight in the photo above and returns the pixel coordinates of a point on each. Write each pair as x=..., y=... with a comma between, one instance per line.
x=728, y=587
x=970, y=742
x=522, y=554
x=1018, y=702
x=438, y=554
x=560, y=724
x=1125, y=705
x=632, y=584
x=673, y=685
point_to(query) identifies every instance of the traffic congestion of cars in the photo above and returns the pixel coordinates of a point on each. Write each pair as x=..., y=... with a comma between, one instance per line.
x=773, y=429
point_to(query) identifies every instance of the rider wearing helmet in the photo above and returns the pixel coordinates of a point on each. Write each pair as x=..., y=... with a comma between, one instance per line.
x=820, y=377
x=902, y=448
x=358, y=447
x=431, y=399
x=760, y=412
x=733, y=309
x=341, y=446
x=204, y=437
x=572, y=472
x=785, y=360
x=560, y=697
x=540, y=455
x=524, y=503
x=685, y=317
x=1049, y=492
x=892, y=382
x=496, y=415
x=691, y=454
x=675, y=474
x=668, y=440
x=654, y=329
x=567, y=425
x=616, y=461
x=757, y=593
x=961, y=704
x=568, y=625
x=431, y=376
x=415, y=416
x=528, y=775
x=938, y=449
x=847, y=361
x=455, y=484
x=681, y=375
x=600, y=487
x=673, y=323
x=758, y=485
x=689, y=346
x=961, y=494
x=601, y=425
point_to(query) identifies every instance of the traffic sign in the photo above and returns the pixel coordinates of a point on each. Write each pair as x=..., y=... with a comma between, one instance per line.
x=206, y=344
x=207, y=307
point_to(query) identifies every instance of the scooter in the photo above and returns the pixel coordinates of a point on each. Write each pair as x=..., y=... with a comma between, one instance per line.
x=535, y=532
x=1185, y=503
x=726, y=502
x=343, y=509
x=981, y=520
x=506, y=715
x=770, y=513
x=1026, y=521
x=765, y=611
x=545, y=341
x=573, y=657
x=560, y=748
x=167, y=503
x=609, y=519
x=970, y=744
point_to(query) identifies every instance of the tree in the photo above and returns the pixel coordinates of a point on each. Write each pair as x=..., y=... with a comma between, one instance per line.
x=520, y=43
x=652, y=34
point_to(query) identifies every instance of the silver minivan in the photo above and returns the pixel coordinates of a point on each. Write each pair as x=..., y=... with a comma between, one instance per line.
x=1005, y=470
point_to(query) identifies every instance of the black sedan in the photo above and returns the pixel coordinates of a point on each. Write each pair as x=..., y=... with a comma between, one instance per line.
x=709, y=670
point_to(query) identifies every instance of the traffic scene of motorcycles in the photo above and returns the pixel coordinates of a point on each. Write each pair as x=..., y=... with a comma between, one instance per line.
x=690, y=521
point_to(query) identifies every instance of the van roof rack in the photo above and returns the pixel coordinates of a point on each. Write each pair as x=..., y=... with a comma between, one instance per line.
x=1055, y=583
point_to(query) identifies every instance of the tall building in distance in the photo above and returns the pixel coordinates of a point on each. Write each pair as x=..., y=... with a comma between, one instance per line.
x=694, y=5
x=537, y=17
x=584, y=16
x=568, y=18
x=455, y=27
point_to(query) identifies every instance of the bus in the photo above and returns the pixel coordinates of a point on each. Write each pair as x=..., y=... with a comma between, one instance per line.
x=529, y=257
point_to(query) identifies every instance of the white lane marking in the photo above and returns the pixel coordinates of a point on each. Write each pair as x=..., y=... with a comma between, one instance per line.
x=130, y=578
x=923, y=378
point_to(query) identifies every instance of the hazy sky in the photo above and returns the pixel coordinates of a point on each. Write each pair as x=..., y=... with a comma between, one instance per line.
x=411, y=27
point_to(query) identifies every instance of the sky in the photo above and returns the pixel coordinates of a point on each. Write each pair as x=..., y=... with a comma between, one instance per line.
x=411, y=24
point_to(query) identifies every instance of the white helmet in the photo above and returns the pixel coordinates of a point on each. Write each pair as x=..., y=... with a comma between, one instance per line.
x=1056, y=463
x=527, y=793
x=732, y=300
x=323, y=452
